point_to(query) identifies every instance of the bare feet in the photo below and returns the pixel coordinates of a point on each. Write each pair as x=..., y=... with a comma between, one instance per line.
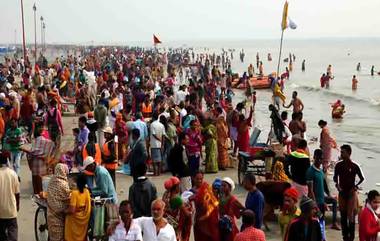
x=335, y=226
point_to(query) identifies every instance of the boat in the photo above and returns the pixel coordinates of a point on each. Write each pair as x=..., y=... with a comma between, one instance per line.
x=258, y=82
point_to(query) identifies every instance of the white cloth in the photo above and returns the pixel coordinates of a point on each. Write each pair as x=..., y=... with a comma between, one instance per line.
x=120, y=234
x=183, y=113
x=180, y=96
x=9, y=187
x=157, y=129
x=148, y=228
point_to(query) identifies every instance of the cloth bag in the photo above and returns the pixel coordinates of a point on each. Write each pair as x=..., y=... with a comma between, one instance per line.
x=98, y=213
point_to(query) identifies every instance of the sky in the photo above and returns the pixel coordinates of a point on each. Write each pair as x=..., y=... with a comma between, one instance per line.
x=124, y=21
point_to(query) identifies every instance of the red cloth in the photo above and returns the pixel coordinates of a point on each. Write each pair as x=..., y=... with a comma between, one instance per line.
x=250, y=234
x=368, y=226
x=206, y=215
x=232, y=209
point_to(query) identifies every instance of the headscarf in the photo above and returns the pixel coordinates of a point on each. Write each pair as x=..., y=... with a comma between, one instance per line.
x=58, y=189
x=292, y=193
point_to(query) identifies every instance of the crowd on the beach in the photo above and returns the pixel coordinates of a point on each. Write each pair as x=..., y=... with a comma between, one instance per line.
x=144, y=112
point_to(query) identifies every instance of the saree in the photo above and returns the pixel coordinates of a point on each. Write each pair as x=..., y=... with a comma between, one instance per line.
x=211, y=150
x=222, y=134
x=58, y=199
x=76, y=224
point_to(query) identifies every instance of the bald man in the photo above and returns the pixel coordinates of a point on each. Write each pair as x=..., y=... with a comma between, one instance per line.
x=156, y=228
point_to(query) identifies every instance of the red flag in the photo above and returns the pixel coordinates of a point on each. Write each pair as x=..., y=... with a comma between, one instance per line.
x=156, y=40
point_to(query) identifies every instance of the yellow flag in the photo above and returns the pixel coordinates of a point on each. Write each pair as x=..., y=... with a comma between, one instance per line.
x=284, y=23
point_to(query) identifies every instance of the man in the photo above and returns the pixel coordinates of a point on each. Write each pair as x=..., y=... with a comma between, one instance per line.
x=181, y=94
x=296, y=103
x=83, y=132
x=104, y=185
x=13, y=144
x=126, y=228
x=318, y=187
x=255, y=199
x=141, y=126
x=297, y=164
x=306, y=227
x=156, y=228
x=178, y=162
x=109, y=153
x=289, y=210
x=250, y=232
x=100, y=115
x=9, y=201
x=157, y=133
x=345, y=175
x=38, y=155
x=138, y=154
x=142, y=193
x=315, y=181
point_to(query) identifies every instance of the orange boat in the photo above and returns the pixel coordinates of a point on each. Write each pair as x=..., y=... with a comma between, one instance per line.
x=255, y=82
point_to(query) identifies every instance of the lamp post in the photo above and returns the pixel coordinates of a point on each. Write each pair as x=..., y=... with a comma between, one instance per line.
x=42, y=37
x=44, y=31
x=23, y=31
x=35, y=34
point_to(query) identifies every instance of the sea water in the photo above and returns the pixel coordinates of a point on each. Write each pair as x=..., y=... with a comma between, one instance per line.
x=361, y=124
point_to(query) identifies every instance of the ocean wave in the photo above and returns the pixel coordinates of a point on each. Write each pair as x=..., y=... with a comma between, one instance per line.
x=311, y=88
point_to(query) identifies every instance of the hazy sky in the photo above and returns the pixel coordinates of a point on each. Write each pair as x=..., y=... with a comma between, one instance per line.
x=81, y=21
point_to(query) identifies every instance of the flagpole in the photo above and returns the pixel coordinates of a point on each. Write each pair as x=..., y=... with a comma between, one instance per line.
x=279, y=56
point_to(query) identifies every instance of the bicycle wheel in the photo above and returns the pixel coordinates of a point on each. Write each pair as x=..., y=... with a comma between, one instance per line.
x=40, y=224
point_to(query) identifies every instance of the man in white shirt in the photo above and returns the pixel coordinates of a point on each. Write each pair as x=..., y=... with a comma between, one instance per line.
x=156, y=228
x=9, y=200
x=127, y=229
x=181, y=94
x=157, y=133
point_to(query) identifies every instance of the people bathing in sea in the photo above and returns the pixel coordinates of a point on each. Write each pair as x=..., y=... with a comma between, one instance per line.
x=354, y=83
x=338, y=109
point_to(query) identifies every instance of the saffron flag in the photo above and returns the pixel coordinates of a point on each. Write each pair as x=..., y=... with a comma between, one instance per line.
x=156, y=40
x=292, y=24
x=284, y=23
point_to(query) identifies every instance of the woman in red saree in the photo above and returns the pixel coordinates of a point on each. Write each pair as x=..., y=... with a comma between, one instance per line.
x=243, y=131
x=229, y=206
x=222, y=133
x=121, y=131
x=206, y=220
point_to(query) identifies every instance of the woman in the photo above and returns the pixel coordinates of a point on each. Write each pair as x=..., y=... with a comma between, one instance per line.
x=369, y=223
x=243, y=131
x=326, y=144
x=176, y=212
x=58, y=196
x=289, y=210
x=122, y=133
x=206, y=210
x=229, y=207
x=211, y=148
x=222, y=134
x=78, y=213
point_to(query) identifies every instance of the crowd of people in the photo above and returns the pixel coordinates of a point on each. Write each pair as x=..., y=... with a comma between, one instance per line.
x=142, y=110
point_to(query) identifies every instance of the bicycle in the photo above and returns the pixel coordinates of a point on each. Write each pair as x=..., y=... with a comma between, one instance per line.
x=97, y=227
x=40, y=219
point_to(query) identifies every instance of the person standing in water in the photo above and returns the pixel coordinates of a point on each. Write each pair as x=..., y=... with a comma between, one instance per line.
x=303, y=66
x=354, y=83
x=372, y=70
x=296, y=103
x=329, y=70
x=358, y=67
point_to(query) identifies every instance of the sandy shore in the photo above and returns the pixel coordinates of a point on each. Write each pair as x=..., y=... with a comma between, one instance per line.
x=28, y=207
